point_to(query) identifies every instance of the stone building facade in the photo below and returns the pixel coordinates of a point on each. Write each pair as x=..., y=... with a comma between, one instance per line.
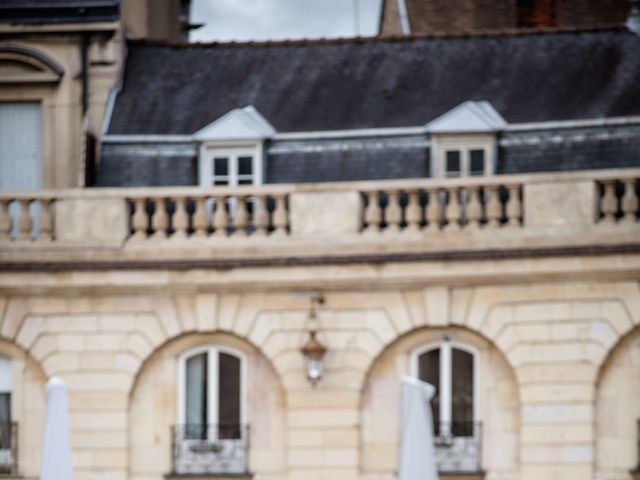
x=547, y=302
x=461, y=209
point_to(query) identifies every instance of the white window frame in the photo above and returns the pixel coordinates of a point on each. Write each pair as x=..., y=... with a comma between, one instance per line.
x=210, y=151
x=213, y=382
x=446, y=383
x=443, y=143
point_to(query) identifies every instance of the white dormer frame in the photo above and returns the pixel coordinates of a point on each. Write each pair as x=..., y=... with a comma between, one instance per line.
x=240, y=132
x=469, y=126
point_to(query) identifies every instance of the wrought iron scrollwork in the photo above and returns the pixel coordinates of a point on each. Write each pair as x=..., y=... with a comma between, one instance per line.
x=458, y=446
x=210, y=449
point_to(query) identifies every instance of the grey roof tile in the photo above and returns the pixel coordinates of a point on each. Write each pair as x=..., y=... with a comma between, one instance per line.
x=346, y=84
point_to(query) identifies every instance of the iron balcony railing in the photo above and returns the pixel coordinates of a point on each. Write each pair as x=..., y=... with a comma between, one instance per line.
x=210, y=449
x=458, y=447
x=8, y=448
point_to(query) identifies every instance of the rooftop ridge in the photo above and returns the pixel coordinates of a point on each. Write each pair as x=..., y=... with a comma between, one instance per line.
x=489, y=33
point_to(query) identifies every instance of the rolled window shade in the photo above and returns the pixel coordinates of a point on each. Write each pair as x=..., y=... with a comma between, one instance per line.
x=20, y=145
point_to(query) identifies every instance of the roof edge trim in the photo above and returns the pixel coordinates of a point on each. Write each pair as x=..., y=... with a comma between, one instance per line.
x=378, y=132
x=468, y=117
x=495, y=33
x=238, y=124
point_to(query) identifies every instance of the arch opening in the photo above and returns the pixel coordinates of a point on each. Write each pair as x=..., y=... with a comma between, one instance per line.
x=483, y=399
x=618, y=411
x=203, y=404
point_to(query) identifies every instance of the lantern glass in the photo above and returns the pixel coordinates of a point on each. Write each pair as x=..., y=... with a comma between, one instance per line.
x=315, y=366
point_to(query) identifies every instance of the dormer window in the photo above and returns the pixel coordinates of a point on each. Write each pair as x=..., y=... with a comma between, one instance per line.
x=463, y=141
x=468, y=156
x=231, y=151
x=230, y=166
x=465, y=162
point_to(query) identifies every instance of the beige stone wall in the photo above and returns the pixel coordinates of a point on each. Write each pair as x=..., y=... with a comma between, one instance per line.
x=542, y=342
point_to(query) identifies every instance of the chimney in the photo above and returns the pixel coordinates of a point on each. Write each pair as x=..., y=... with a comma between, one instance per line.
x=633, y=20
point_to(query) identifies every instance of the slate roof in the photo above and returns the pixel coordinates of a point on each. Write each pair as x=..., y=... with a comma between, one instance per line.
x=58, y=11
x=357, y=83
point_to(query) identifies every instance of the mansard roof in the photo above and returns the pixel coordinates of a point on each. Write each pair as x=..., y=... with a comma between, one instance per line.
x=377, y=83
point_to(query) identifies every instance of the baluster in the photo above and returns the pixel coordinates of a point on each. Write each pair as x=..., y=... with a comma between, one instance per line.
x=433, y=210
x=280, y=221
x=5, y=220
x=514, y=206
x=393, y=214
x=629, y=201
x=473, y=207
x=220, y=219
x=260, y=216
x=412, y=212
x=160, y=219
x=609, y=202
x=453, y=209
x=241, y=219
x=139, y=220
x=493, y=206
x=25, y=222
x=372, y=213
x=200, y=219
x=180, y=219
x=45, y=222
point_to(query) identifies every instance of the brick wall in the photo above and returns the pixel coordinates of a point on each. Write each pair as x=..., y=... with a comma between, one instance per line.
x=443, y=16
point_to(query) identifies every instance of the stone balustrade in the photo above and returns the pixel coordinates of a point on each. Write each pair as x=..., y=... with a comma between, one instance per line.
x=507, y=211
x=25, y=217
x=219, y=213
x=618, y=200
x=450, y=205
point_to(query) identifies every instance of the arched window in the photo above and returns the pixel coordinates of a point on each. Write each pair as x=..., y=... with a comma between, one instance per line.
x=452, y=369
x=211, y=393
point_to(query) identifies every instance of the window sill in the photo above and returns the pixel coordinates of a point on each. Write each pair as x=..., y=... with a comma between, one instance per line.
x=209, y=476
x=461, y=475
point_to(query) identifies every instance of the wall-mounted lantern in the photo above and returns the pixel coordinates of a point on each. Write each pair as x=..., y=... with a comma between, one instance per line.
x=313, y=350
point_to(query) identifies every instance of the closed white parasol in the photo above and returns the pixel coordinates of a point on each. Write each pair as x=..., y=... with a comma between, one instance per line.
x=417, y=458
x=56, y=453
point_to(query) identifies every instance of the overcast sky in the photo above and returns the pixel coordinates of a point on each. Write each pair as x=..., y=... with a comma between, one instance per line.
x=279, y=19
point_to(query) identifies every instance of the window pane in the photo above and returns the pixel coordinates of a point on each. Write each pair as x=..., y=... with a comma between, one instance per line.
x=196, y=396
x=477, y=162
x=453, y=163
x=220, y=166
x=5, y=407
x=220, y=181
x=245, y=165
x=5, y=421
x=462, y=393
x=245, y=181
x=229, y=396
x=5, y=374
x=429, y=371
